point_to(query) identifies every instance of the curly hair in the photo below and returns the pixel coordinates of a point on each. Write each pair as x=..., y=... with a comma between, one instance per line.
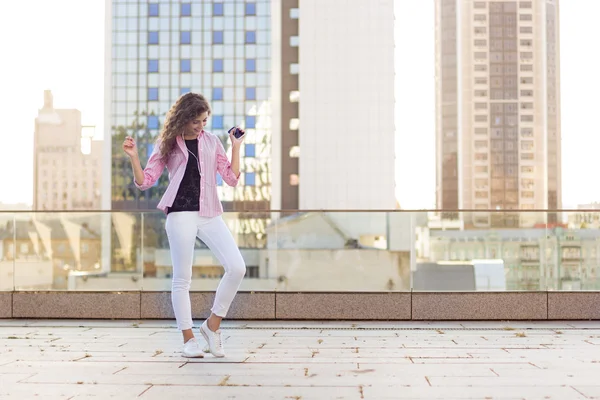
x=188, y=107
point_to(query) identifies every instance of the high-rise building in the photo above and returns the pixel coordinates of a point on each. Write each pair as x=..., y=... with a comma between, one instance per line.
x=333, y=104
x=159, y=50
x=498, y=109
x=66, y=162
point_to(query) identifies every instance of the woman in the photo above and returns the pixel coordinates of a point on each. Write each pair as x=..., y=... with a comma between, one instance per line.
x=193, y=157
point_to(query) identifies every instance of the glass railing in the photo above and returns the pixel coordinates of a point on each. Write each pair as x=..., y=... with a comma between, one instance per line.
x=372, y=251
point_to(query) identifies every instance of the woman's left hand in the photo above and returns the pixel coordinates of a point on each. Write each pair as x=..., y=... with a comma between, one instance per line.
x=236, y=141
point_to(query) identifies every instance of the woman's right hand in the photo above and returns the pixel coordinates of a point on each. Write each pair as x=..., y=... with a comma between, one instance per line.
x=129, y=147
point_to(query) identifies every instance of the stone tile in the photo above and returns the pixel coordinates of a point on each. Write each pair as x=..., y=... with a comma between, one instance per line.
x=246, y=305
x=253, y=392
x=89, y=305
x=465, y=392
x=479, y=306
x=343, y=306
x=573, y=305
x=5, y=305
x=66, y=391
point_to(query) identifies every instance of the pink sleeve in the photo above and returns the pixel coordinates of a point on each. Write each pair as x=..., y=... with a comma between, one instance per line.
x=224, y=166
x=153, y=171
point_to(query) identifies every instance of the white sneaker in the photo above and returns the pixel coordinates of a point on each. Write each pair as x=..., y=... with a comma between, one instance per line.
x=191, y=349
x=215, y=344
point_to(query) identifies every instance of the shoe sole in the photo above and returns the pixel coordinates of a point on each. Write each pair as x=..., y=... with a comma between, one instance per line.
x=208, y=345
x=188, y=356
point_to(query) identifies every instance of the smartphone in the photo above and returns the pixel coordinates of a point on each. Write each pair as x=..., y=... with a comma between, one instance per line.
x=237, y=133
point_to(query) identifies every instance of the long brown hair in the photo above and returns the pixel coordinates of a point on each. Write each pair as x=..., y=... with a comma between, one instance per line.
x=185, y=109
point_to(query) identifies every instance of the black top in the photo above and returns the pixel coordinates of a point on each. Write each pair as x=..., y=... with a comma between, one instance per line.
x=188, y=194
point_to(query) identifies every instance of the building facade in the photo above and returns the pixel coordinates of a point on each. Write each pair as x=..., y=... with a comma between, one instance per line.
x=67, y=171
x=160, y=50
x=333, y=104
x=498, y=109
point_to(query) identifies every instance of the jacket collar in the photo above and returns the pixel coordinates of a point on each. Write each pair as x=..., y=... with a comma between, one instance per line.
x=181, y=143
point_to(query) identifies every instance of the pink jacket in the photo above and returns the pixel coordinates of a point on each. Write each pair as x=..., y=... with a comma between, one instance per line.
x=212, y=159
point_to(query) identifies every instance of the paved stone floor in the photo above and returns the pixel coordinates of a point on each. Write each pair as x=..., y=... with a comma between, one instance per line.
x=303, y=360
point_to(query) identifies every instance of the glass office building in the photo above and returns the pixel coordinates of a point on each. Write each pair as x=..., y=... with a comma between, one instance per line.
x=163, y=49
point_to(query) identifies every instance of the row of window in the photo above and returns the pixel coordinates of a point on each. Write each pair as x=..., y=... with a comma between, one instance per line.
x=185, y=37
x=217, y=93
x=217, y=122
x=185, y=65
x=186, y=9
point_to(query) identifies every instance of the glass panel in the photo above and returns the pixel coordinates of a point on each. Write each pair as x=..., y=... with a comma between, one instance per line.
x=8, y=250
x=482, y=251
x=74, y=251
x=501, y=250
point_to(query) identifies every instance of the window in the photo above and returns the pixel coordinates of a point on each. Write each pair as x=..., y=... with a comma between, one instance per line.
x=527, y=132
x=481, y=118
x=184, y=90
x=481, y=169
x=527, y=194
x=481, y=144
x=480, y=42
x=250, y=8
x=525, y=4
x=186, y=9
x=217, y=122
x=294, y=151
x=481, y=131
x=152, y=65
x=294, y=69
x=526, y=170
x=152, y=94
x=217, y=9
x=526, y=55
x=526, y=118
x=217, y=37
x=480, y=17
x=294, y=41
x=527, y=145
x=250, y=37
x=525, y=17
x=185, y=37
x=481, y=156
x=294, y=124
x=294, y=96
x=250, y=65
x=153, y=10
x=152, y=37
x=526, y=156
x=481, y=195
x=218, y=65
x=217, y=93
x=250, y=122
x=152, y=122
x=526, y=29
x=481, y=106
x=294, y=13
x=479, y=4
x=250, y=93
x=250, y=150
x=250, y=179
x=185, y=66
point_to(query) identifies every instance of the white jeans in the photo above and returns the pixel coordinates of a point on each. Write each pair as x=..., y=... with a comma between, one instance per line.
x=182, y=229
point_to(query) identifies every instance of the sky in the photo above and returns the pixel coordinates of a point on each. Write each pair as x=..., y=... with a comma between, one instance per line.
x=63, y=50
